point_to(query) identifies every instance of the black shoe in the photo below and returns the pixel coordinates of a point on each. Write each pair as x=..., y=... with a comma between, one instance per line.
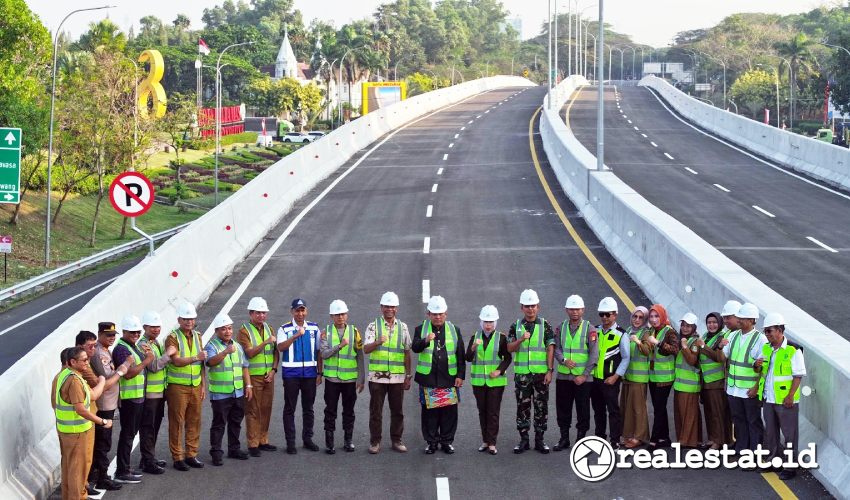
x=329, y=443
x=662, y=443
x=217, y=461
x=310, y=445
x=107, y=484
x=151, y=468
x=539, y=445
x=563, y=444
x=127, y=478
x=787, y=474
x=291, y=449
x=431, y=449
x=194, y=462
x=580, y=435
x=482, y=448
x=349, y=441
x=254, y=452
x=238, y=455
x=616, y=445
x=448, y=449
x=268, y=447
x=93, y=493
x=161, y=463
x=523, y=444
x=181, y=465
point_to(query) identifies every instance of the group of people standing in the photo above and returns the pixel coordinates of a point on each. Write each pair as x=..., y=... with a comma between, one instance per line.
x=732, y=370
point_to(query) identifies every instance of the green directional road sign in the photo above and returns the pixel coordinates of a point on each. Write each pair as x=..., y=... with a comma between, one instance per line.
x=10, y=165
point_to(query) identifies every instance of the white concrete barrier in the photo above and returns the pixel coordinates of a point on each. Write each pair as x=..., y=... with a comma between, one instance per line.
x=818, y=159
x=186, y=268
x=677, y=268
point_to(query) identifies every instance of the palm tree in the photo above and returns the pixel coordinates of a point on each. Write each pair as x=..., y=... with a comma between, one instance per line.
x=799, y=55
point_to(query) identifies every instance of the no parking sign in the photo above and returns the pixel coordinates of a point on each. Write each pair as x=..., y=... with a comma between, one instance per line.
x=131, y=194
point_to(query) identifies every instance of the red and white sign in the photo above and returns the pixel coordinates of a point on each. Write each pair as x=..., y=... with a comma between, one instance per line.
x=131, y=194
x=5, y=244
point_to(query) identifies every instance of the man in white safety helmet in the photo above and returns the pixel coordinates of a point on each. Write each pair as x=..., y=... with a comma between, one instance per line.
x=576, y=353
x=259, y=343
x=730, y=321
x=779, y=389
x=230, y=387
x=440, y=371
x=742, y=379
x=154, y=408
x=533, y=340
x=387, y=343
x=614, y=357
x=341, y=348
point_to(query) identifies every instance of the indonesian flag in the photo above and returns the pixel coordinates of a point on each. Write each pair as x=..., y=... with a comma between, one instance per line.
x=202, y=47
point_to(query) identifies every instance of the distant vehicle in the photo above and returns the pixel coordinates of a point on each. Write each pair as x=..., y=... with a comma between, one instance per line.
x=298, y=137
x=316, y=134
x=825, y=135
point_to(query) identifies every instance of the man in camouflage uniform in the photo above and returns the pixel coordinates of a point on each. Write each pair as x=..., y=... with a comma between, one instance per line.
x=533, y=340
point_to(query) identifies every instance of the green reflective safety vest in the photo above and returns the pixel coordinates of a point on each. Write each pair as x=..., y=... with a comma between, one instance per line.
x=68, y=421
x=741, y=372
x=264, y=360
x=191, y=373
x=609, y=347
x=712, y=371
x=133, y=388
x=343, y=364
x=663, y=368
x=727, y=333
x=638, y=370
x=687, y=376
x=154, y=381
x=423, y=364
x=486, y=361
x=388, y=357
x=574, y=347
x=782, y=377
x=531, y=357
x=226, y=377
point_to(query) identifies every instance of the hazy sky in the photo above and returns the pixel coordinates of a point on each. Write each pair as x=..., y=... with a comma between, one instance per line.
x=653, y=22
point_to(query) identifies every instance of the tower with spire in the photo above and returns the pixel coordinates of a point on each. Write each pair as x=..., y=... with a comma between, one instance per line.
x=285, y=66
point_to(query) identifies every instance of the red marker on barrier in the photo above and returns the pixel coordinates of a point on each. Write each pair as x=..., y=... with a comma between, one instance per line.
x=227, y=228
x=174, y=274
x=265, y=195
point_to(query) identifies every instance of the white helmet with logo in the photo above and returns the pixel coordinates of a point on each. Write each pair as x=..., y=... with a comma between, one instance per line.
x=574, y=302
x=337, y=307
x=773, y=319
x=389, y=299
x=489, y=313
x=258, y=304
x=151, y=318
x=608, y=304
x=748, y=311
x=437, y=305
x=222, y=320
x=690, y=318
x=187, y=311
x=730, y=308
x=529, y=298
x=131, y=324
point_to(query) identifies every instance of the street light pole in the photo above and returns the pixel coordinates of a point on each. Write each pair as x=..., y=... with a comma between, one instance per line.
x=595, y=57
x=218, y=112
x=555, y=46
x=600, y=107
x=722, y=62
x=50, y=134
x=549, y=67
x=569, y=37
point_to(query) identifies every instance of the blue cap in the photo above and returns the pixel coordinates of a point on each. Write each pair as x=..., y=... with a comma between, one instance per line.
x=298, y=303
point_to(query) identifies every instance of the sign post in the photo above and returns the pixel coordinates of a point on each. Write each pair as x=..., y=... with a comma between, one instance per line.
x=5, y=249
x=131, y=195
x=10, y=165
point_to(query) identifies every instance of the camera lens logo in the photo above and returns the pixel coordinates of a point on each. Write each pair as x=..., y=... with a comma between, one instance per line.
x=592, y=459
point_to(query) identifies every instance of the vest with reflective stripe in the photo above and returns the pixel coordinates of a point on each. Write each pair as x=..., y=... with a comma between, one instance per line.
x=727, y=333
x=741, y=372
x=343, y=364
x=609, y=348
x=155, y=381
x=388, y=357
x=264, y=360
x=531, y=357
x=486, y=361
x=424, y=363
x=638, y=370
x=687, y=376
x=574, y=347
x=135, y=387
x=226, y=377
x=712, y=371
x=782, y=377
x=191, y=373
x=663, y=368
x=68, y=421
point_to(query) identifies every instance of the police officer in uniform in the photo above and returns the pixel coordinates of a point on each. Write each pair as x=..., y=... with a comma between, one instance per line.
x=613, y=362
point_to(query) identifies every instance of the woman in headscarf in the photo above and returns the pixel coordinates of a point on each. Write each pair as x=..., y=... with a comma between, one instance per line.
x=662, y=362
x=633, y=395
x=686, y=414
x=712, y=363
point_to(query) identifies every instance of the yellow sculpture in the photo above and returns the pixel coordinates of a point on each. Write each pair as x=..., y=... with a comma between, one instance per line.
x=150, y=88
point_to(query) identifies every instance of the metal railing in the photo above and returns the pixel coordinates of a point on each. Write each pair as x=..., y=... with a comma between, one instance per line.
x=92, y=260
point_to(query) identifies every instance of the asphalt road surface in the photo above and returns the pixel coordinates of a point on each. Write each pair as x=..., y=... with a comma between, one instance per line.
x=493, y=232
x=790, y=232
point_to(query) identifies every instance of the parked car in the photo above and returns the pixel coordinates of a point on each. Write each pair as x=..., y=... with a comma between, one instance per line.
x=316, y=134
x=297, y=137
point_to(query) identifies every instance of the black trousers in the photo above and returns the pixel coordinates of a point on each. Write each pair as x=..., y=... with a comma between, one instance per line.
x=439, y=424
x=660, y=424
x=606, y=403
x=102, y=445
x=292, y=387
x=567, y=393
x=746, y=419
x=227, y=412
x=131, y=419
x=152, y=413
x=333, y=391
x=489, y=401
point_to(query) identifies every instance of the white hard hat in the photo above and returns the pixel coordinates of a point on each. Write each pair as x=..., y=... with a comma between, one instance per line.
x=437, y=305
x=337, y=307
x=574, y=302
x=607, y=304
x=151, y=318
x=222, y=320
x=489, y=313
x=389, y=299
x=773, y=319
x=690, y=318
x=529, y=298
x=748, y=311
x=730, y=308
x=258, y=304
x=187, y=311
x=131, y=323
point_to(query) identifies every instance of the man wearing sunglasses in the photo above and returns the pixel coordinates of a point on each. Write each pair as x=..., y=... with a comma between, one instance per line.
x=612, y=365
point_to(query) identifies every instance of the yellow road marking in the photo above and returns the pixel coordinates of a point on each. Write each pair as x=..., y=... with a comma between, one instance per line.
x=779, y=486
x=573, y=100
